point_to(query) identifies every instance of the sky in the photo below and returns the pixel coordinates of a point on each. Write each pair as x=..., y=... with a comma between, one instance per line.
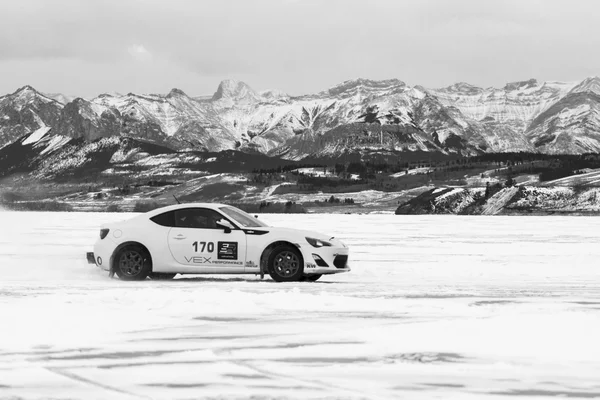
x=88, y=47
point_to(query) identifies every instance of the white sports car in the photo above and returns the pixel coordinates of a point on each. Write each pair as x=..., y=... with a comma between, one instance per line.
x=213, y=239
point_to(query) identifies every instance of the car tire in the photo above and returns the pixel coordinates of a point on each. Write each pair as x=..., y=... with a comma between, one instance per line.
x=132, y=263
x=311, y=277
x=286, y=264
x=161, y=276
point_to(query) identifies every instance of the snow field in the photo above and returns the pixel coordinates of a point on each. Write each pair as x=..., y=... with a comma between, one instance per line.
x=435, y=307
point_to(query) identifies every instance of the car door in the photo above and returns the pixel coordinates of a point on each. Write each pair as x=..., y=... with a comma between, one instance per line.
x=198, y=243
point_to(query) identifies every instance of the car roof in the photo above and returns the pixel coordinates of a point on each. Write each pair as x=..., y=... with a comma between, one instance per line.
x=182, y=206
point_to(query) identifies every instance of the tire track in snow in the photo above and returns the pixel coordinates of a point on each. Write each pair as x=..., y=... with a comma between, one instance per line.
x=75, y=377
x=312, y=383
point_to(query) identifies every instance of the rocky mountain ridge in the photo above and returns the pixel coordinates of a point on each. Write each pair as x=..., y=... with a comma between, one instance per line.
x=356, y=116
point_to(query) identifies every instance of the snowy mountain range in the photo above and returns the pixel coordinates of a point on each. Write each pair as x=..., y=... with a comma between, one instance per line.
x=355, y=116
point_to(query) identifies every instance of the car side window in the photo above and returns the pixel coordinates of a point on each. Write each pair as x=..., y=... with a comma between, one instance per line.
x=198, y=218
x=165, y=219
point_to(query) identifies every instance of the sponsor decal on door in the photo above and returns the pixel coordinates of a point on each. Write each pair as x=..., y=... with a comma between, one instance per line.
x=227, y=250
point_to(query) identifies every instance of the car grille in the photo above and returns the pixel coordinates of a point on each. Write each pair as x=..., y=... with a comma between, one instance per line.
x=340, y=261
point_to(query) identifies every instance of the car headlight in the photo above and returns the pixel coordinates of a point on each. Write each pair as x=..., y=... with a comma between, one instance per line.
x=317, y=242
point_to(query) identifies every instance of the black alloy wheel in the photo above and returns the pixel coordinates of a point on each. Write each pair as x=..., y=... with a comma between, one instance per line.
x=132, y=263
x=286, y=264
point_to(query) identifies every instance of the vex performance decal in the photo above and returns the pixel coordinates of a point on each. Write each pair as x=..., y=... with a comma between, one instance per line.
x=209, y=260
x=227, y=251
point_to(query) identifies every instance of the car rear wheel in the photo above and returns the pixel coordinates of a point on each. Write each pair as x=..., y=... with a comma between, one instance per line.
x=286, y=264
x=132, y=263
x=311, y=277
x=161, y=276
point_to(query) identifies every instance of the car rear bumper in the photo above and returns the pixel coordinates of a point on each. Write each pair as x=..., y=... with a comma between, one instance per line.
x=103, y=249
x=96, y=260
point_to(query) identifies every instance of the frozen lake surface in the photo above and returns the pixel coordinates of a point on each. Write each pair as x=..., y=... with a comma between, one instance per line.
x=435, y=307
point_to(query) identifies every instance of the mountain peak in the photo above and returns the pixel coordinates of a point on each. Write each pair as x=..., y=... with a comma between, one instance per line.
x=521, y=85
x=462, y=87
x=27, y=94
x=591, y=84
x=352, y=85
x=274, y=94
x=61, y=98
x=176, y=92
x=108, y=95
x=25, y=90
x=235, y=90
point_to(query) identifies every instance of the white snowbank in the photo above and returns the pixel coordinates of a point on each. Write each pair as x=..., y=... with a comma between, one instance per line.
x=458, y=307
x=560, y=198
x=589, y=176
x=37, y=135
x=414, y=171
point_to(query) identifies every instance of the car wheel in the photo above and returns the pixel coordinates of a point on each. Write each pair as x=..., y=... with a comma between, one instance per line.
x=311, y=277
x=161, y=276
x=132, y=263
x=286, y=264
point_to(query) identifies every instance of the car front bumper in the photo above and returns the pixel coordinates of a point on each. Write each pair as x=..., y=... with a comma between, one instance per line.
x=325, y=260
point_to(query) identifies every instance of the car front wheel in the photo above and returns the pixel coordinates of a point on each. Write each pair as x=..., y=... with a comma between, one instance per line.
x=132, y=263
x=286, y=264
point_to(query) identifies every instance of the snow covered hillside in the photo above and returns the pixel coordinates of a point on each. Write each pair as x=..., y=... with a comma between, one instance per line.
x=508, y=200
x=26, y=112
x=357, y=116
x=435, y=307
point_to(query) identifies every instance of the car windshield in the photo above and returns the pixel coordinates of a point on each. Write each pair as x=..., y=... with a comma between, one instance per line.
x=244, y=219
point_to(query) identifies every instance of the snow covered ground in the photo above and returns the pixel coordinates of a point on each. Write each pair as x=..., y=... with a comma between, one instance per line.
x=436, y=307
x=414, y=171
x=591, y=177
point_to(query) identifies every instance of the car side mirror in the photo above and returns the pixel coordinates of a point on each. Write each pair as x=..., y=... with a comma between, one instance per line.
x=225, y=225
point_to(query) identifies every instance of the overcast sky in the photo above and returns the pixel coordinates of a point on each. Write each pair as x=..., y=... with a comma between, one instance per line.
x=88, y=47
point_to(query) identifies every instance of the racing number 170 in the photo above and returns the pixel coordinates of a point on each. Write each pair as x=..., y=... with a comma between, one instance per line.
x=202, y=246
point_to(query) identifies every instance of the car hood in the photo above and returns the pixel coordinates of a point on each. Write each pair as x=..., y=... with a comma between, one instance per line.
x=299, y=234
